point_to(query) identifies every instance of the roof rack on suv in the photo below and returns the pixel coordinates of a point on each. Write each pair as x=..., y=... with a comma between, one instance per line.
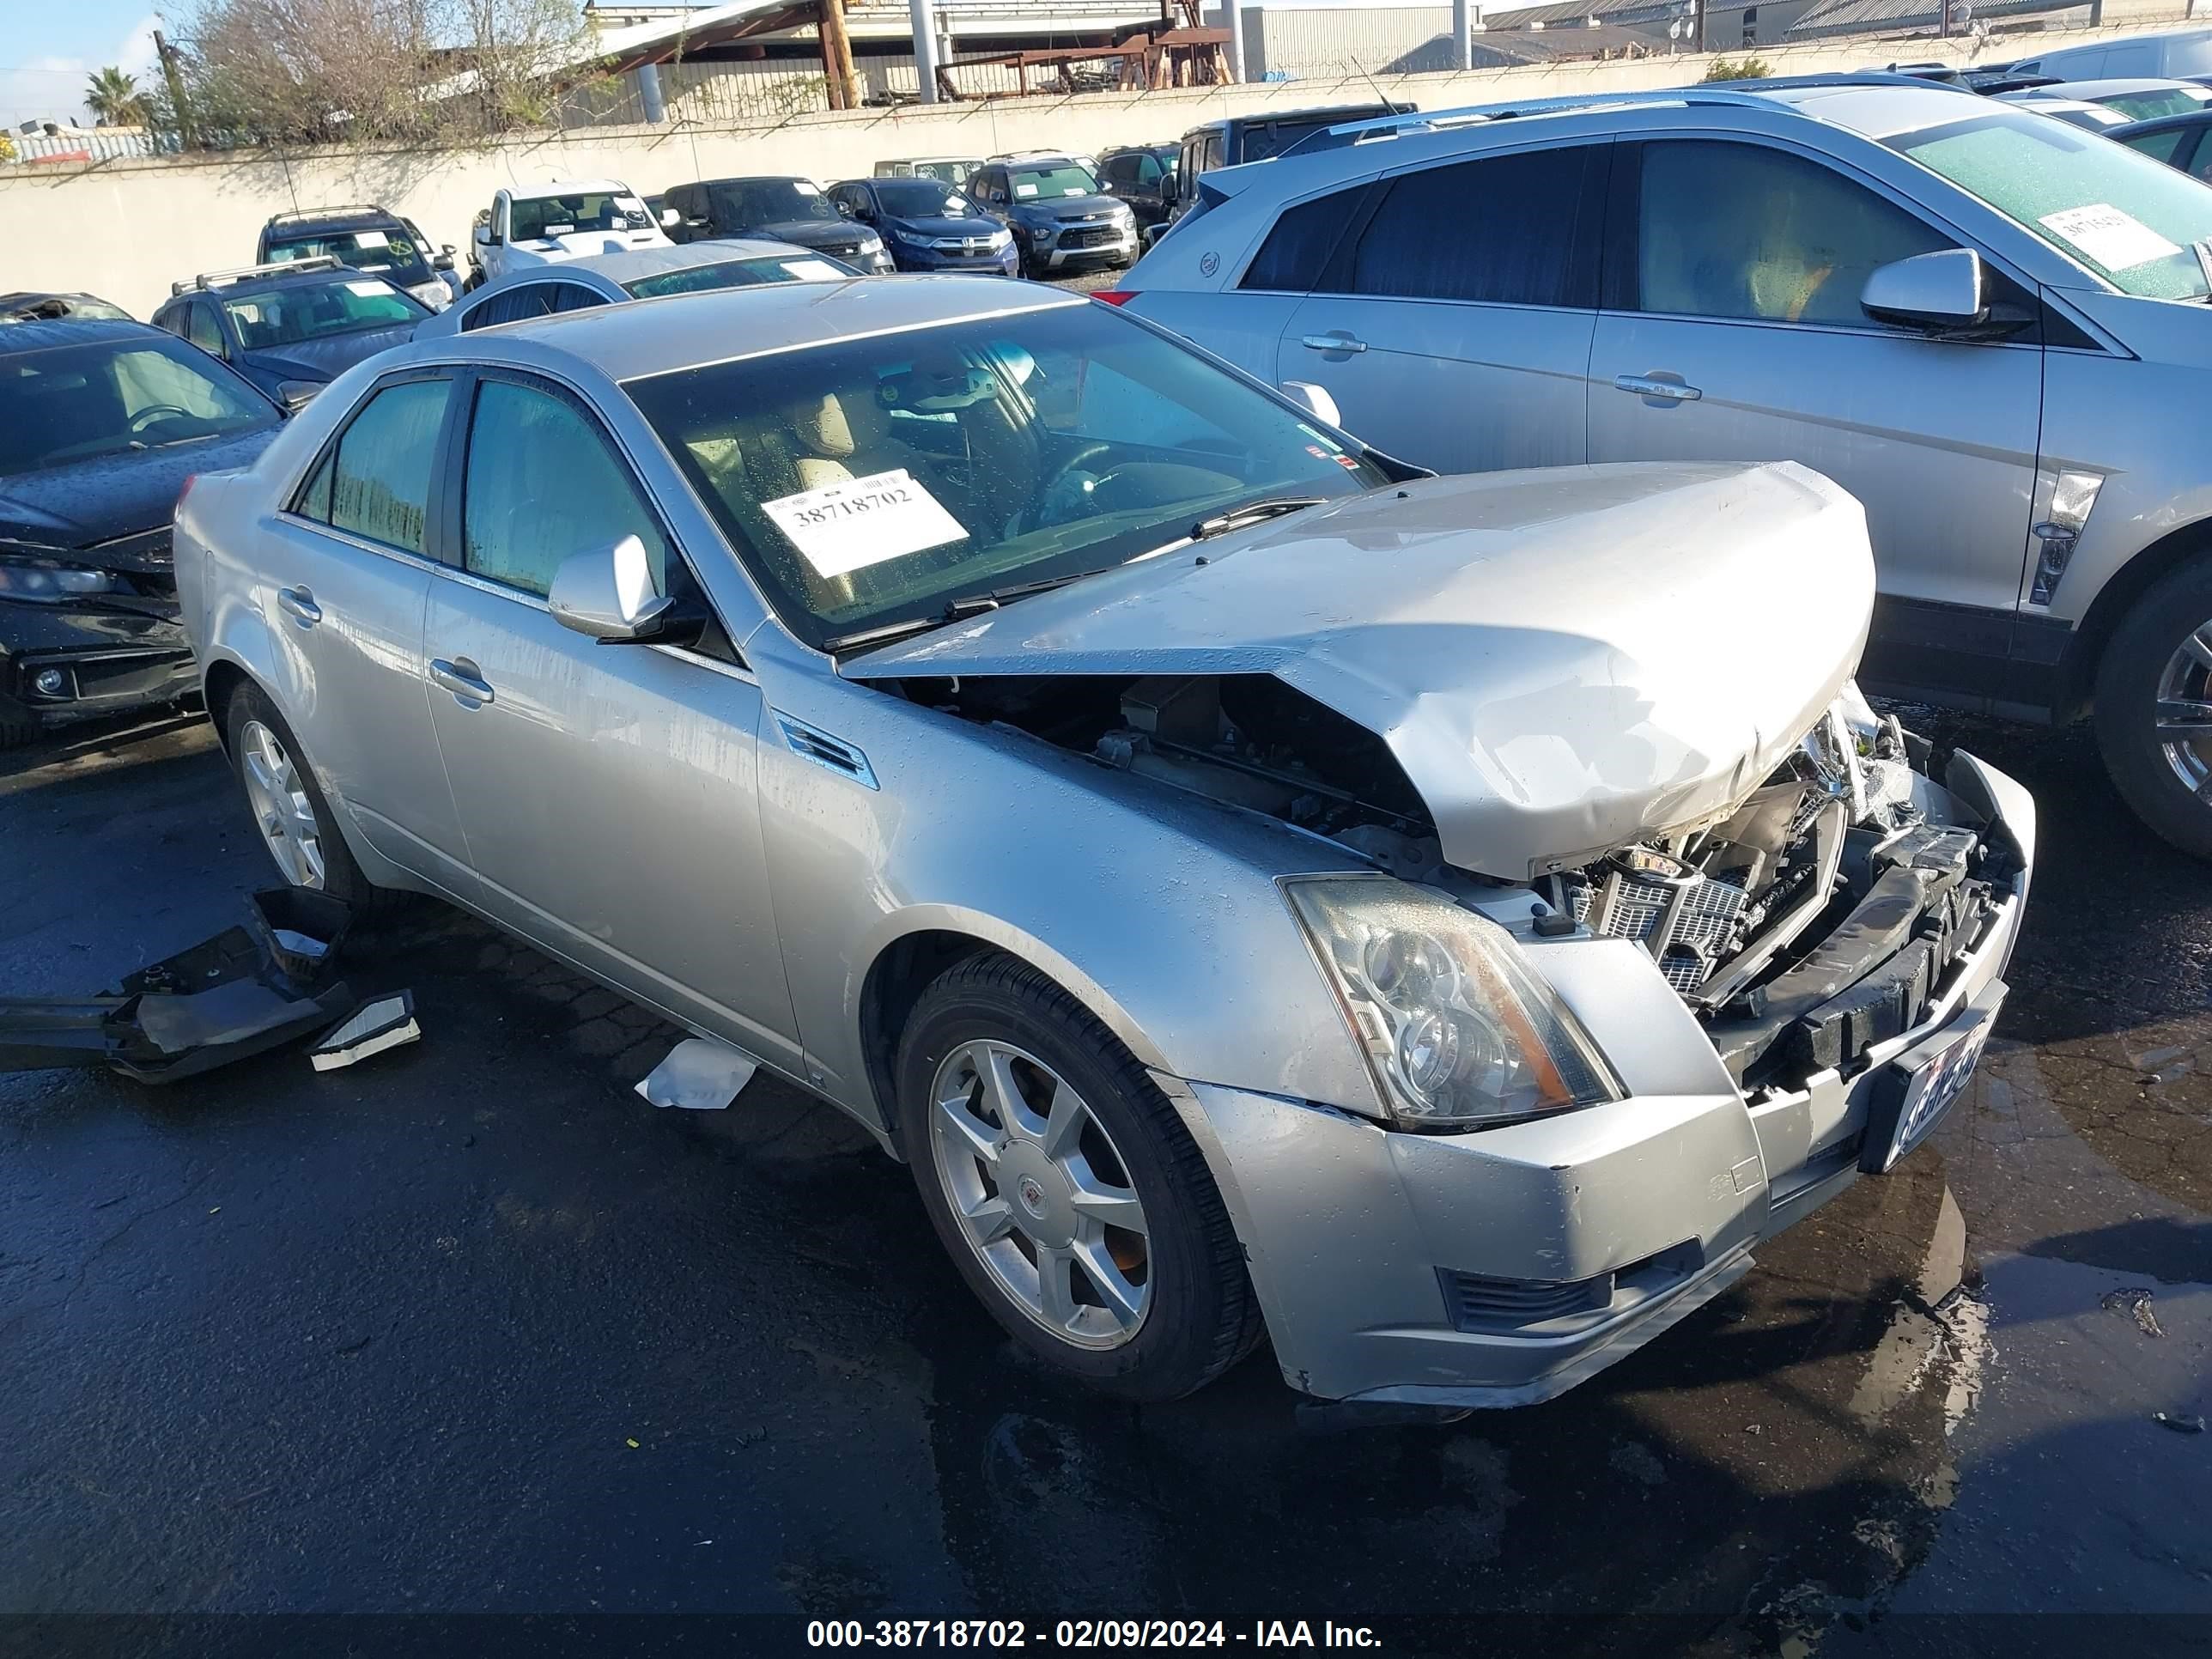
x=281, y=268
x=349, y=211
x=1738, y=92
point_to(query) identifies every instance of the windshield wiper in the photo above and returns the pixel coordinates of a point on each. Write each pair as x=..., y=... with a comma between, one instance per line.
x=1251, y=512
x=952, y=611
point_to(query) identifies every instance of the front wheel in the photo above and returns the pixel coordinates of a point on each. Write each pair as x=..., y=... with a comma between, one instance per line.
x=288, y=810
x=2154, y=708
x=1067, y=1191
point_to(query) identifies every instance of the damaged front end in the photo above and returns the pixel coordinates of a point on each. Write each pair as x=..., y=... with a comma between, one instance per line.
x=90, y=630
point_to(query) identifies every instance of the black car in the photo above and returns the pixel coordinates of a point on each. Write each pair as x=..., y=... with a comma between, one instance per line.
x=928, y=225
x=291, y=328
x=1061, y=219
x=101, y=426
x=368, y=239
x=1143, y=176
x=1237, y=139
x=33, y=307
x=2177, y=140
x=781, y=210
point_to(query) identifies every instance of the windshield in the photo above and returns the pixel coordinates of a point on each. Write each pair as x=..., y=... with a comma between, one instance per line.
x=874, y=481
x=739, y=273
x=2128, y=218
x=387, y=253
x=315, y=311
x=533, y=217
x=949, y=173
x=741, y=202
x=75, y=403
x=2166, y=101
x=921, y=200
x=1055, y=179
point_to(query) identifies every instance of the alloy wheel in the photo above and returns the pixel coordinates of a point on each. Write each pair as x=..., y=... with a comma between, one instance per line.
x=2184, y=710
x=1041, y=1194
x=281, y=809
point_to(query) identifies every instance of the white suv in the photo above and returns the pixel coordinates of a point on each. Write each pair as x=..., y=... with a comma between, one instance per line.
x=547, y=224
x=1989, y=326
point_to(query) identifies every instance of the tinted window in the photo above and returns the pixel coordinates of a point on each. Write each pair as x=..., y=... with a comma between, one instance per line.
x=1121, y=170
x=381, y=487
x=1507, y=229
x=523, y=300
x=1736, y=230
x=1297, y=250
x=2159, y=145
x=923, y=198
x=200, y=327
x=313, y=311
x=574, y=296
x=542, y=485
x=736, y=203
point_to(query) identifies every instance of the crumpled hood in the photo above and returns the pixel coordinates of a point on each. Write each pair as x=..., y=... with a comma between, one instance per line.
x=329, y=356
x=79, y=506
x=580, y=244
x=1563, y=660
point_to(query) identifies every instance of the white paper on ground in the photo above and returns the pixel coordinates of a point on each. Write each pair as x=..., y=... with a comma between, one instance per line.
x=699, y=1075
x=848, y=526
x=2116, y=241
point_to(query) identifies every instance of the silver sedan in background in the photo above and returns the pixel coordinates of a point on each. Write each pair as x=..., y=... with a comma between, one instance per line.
x=1445, y=923
x=643, y=273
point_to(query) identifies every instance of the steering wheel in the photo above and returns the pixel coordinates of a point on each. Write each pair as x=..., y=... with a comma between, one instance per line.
x=1078, y=456
x=153, y=412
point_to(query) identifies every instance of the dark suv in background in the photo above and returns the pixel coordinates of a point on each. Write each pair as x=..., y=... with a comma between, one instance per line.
x=293, y=328
x=1059, y=218
x=1142, y=176
x=928, y=225
x=781, y=208
x=1237, y=139
x=369, y=238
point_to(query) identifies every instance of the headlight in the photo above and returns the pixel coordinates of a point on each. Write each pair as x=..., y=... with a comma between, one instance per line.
x=436, y=294
x=1457, y=1029
x=1000, y=237
x=52, y=584
x=297, y=393
x=871, y=243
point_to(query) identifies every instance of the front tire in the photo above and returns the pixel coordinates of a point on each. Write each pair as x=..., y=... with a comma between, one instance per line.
x=1065, y=1187
x=295, y=821
x=2154, y=708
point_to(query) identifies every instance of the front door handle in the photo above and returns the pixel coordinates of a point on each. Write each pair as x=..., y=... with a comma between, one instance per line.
x=1660, y=387
x=299, y=606
x=461, y=677
x=1335, y=340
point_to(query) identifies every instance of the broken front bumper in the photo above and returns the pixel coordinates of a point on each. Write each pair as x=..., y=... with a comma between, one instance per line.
x=1502, y=1267
x=58, y=659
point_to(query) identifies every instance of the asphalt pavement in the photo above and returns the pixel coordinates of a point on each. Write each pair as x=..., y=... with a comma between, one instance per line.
x=472, y=1328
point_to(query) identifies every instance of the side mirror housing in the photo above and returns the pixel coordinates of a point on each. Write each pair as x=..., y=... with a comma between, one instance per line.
x=1314, y=400
x=1942, y=292
x=608, y=594
x=1170, y=188
x=445, y=260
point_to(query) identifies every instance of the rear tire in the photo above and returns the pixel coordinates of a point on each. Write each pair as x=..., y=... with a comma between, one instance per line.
x=295, y=822
x=1083, y=1216
x=2154, y=684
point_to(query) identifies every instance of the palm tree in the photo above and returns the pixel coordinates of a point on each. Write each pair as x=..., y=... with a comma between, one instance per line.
x=114, y=99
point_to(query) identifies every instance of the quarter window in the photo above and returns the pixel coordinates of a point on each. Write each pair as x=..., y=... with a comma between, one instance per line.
x=380, y=483
x=200, y=328
x=1742, y=231
x=1506, y=229
x=1297, y=250
x=542, y=485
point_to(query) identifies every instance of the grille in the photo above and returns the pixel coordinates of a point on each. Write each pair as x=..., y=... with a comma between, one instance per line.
x=1088, y=236
x=1478, y=1303
x=1703, y=912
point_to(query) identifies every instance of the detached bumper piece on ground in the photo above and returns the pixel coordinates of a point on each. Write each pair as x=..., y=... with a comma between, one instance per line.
x=247, y=990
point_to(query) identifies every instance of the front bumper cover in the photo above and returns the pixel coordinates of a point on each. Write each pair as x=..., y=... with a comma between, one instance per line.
x=126, y=654
x=1504, y=1267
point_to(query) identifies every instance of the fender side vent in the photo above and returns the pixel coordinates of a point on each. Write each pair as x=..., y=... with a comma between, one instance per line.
x=833, y=754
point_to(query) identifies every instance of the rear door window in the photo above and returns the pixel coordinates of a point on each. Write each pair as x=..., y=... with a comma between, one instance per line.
x=380, y=483
x=1520, y=229
x=1296, y=251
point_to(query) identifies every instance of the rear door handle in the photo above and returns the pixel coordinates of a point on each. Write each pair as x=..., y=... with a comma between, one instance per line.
x=1654, y=385
x=299, y=606
x=1335, y=340
x=461, y=677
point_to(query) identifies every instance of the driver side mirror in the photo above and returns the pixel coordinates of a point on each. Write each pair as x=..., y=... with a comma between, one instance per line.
x=1314, y=400
x=608, y=594
x=1942, y=294
x=1170, y=188
x=445, y=260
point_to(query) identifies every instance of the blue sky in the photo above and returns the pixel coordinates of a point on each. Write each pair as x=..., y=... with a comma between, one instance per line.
x=49, y=46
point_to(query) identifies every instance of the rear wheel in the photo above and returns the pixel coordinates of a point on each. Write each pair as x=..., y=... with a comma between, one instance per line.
x=1068, y=1193
x=288, y=810
x=2154, y=708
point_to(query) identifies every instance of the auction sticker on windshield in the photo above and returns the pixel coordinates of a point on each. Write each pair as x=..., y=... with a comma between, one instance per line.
x=848, y=526
x=2116, y=241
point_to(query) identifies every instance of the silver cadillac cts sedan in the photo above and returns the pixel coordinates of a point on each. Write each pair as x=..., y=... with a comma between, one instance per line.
x=1443, y=924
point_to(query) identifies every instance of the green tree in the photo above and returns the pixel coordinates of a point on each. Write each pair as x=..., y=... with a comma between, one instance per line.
x=114, y=99
x=1748, y=68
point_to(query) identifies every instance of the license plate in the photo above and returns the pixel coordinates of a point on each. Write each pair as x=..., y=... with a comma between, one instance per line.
x=1925, y=1081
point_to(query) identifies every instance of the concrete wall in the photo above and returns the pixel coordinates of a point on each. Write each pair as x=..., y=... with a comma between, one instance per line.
x=125, y=229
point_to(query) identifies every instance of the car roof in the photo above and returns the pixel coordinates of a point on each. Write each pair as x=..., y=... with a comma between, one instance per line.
x=759, y=179
x=568, y=187
x=314, y=219
x=17, y=338
x=654, y=337
x=2118, y=87
x=262, y=283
